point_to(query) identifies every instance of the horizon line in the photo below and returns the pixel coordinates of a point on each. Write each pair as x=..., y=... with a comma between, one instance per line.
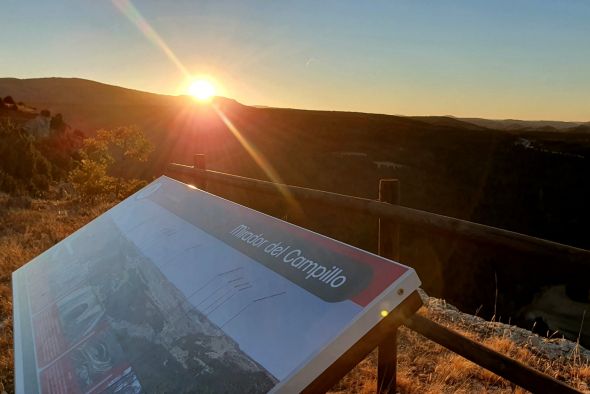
x=579, y=122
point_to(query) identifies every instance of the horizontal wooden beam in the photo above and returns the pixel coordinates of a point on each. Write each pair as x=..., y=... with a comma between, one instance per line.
x=504, y=366
x=579, y=258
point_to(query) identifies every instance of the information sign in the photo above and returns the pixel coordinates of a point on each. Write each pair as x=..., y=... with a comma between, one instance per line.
x=178, y=290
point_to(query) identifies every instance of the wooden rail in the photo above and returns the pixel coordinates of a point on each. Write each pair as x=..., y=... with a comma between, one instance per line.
x=390, y=214
x=577, y=257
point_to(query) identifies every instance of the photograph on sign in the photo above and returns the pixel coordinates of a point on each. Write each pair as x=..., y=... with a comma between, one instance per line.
x=178, y=290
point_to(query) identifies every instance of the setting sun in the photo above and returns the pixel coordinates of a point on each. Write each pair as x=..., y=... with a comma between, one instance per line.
x=202, y=90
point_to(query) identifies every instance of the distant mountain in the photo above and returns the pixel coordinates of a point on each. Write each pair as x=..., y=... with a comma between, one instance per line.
x=581, y=128
x=514, y=124
x=450, y=121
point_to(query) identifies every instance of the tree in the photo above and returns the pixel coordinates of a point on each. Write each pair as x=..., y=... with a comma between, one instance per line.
x=57, y=124
x=61, y=148
x=104, y=159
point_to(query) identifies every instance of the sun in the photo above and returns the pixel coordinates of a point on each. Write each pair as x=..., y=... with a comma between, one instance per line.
x=202, y=90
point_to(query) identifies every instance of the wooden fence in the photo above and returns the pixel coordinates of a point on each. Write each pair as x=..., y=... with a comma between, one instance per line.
x=391, y=215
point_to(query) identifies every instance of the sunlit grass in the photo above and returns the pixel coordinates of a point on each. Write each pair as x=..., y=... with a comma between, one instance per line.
x=27, y=228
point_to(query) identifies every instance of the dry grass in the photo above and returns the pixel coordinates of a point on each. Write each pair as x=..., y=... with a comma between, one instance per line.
x=425, y=367
x=29, y=227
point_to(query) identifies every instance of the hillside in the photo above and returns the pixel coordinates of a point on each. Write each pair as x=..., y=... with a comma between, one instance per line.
x=452, y=122
x=519, y=125
x=88, y=105
x=531, y=181
x=73, y=96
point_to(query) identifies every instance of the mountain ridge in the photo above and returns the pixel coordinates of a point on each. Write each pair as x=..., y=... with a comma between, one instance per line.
x=67, y=95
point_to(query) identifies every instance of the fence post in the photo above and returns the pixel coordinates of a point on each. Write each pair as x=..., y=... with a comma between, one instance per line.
x=388, y=247
x=200, y=163
x=389, y=230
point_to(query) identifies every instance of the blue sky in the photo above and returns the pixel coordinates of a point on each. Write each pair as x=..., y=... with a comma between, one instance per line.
x=500, y=59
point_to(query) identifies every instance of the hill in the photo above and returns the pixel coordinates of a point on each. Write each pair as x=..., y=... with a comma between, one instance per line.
x=87, y=105
x=519, y=125
x=531, y=181
x=452, y=122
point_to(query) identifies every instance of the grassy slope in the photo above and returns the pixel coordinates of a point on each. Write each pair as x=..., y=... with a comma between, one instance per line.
x=27, y=228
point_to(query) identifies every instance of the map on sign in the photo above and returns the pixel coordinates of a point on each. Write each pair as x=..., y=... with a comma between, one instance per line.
x=178, y=290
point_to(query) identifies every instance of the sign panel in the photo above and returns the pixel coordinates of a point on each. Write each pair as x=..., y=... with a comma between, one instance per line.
x=178, y=290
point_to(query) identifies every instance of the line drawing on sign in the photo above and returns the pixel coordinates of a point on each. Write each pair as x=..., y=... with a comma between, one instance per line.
x=230, y=292
x=229, y=298
x=250, y=304
x=210, y=281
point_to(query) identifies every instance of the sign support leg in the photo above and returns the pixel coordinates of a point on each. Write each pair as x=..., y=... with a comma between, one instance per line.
x=389, y=248
x=387, y=364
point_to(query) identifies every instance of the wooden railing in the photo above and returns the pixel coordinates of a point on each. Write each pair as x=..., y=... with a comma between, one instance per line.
x=390, y=215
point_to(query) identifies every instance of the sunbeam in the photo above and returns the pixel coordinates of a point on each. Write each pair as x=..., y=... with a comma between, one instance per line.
x=128, y=9
x=260, y=160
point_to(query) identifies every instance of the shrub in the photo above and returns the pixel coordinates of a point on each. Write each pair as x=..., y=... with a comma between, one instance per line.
x=62, y=150
x=57, y=124
x=23, y=168
x=99, y=173
x=91, y=180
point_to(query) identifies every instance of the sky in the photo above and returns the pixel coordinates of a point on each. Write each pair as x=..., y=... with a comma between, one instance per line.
x=469, y=58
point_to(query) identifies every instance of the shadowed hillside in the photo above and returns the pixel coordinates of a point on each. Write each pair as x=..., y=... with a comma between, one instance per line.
x=88, y=105
x=531, y=181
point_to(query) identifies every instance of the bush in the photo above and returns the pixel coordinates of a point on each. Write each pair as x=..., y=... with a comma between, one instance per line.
x=9, y=184
x=105, y=154
x=62, y=150
x=57, y=124
x=91, y=180
x=23, y=168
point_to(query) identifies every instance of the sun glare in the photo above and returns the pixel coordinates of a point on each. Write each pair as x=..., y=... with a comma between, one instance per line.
x=202, y=90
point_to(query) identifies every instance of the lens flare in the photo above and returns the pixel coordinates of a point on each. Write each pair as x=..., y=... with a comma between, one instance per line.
x=202, y=90
x=129, y=10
